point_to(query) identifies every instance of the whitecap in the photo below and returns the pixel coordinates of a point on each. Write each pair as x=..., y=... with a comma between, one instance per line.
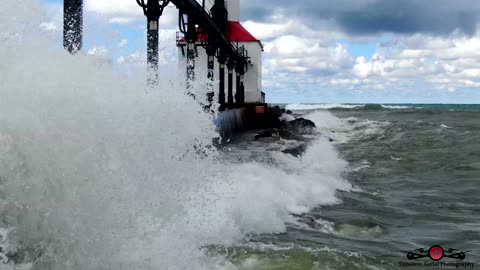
x=307, y=107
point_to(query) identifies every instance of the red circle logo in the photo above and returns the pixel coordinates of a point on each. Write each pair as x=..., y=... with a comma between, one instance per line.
x=436, y=253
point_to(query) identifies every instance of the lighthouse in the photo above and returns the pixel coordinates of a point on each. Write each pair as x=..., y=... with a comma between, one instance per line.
x=243, y=85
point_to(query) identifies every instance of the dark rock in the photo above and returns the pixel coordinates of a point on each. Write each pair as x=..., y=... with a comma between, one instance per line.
x=265, y=134
x=288, y=135
x=296, y=151
x=276, y=112
x=283, y=111
x=331, y=140
x=301, y=126
x=310, y=221
x=289, y=112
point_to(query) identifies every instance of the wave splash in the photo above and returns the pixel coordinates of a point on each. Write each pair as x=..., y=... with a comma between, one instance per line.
x=96, y=173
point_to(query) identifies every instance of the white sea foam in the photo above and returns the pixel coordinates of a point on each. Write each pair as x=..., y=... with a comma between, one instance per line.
x=307, y=107
x=343, y=130
x=397, y=107
x=286, y=117
x=100, y=174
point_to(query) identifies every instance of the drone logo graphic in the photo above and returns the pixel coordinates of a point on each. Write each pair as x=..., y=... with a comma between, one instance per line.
x=436, y=253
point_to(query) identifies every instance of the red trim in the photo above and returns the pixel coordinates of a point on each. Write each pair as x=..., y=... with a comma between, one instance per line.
x=235, y=32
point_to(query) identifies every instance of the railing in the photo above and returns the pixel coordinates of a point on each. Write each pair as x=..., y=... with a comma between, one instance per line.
x=180, y=38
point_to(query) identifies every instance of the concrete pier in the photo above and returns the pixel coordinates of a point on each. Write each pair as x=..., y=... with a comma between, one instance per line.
x=248, y=116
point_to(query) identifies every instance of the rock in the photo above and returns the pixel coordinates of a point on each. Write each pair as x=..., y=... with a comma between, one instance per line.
x=296, y=151
x=330, y=139
x=301, y=126
x=276, y=112
x=289, y=112
x=287, y=135
x=265, y=134
x=310, y=221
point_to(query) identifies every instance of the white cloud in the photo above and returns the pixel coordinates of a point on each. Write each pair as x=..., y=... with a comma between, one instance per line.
x=49, y=27
x=127, y=11
x=297, y=57
x=99, y=51
x=123, y=43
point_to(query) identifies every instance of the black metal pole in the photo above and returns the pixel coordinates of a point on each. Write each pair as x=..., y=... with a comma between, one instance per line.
x=153, y=9
x=230, y=87
x=73, y=25
x=238, y=89
x=240, y=70
x=210, y=76
x=191, y=39
x=242, y=89
x=220, y=16
x=152, y=51
x=190, y=64
x=221, y=77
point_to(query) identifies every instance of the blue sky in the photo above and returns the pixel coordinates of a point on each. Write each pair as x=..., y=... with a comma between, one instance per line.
x=344, y=51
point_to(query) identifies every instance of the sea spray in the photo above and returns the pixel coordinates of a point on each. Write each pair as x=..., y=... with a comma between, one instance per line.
x=100, y=174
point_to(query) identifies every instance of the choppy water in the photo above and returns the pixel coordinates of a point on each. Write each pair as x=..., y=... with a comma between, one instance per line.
x=415, y=171
x=97, y=173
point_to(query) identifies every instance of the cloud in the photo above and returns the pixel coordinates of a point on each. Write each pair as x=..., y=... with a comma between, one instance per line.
x=299, y=57
x=127, y=11
x=49, y=27
x=99, y=51
x=310, y=46
x=367, y=17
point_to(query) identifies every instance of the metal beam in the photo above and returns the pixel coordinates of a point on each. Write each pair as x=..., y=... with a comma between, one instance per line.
x=207, y=23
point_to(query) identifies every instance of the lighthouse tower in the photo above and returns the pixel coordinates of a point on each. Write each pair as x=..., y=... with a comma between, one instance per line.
x=237, y=35
x=233, y=8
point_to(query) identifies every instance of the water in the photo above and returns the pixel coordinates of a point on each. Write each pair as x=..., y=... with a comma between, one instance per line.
x=98, y=172
x=415, y=172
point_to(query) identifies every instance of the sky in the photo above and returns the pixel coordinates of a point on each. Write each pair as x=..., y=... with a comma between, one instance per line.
x=322, y=51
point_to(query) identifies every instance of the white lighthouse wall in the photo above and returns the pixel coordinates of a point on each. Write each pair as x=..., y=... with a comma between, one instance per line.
x=233, y=8
x=252, y=78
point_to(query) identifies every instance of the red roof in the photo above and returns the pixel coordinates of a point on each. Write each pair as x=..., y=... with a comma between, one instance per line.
x=234, y=32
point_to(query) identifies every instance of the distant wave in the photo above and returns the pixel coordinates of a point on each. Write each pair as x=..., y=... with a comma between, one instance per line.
x=397, y=107
x=307, y=107
x=339, y=106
